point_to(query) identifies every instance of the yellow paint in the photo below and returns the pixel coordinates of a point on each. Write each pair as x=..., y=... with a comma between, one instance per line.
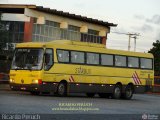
x=82, y=73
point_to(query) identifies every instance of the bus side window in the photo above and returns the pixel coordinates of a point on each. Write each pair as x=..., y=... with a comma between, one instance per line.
x=63, y=56
x=120, y=61
x=146, y=63
x=133, y=62
x=48, y=59
x=93, y=58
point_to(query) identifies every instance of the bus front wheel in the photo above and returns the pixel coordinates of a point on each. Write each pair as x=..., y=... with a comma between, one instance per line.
x=116, y=92
x=62, y=89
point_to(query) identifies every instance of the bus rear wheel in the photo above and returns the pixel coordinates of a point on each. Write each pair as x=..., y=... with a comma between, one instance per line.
x=128, y=92
x=90, y=94
x=62, y=89
x=116, y=92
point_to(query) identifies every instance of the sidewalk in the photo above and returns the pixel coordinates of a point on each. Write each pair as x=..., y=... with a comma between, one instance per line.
x=5, y=87
x=156, y=88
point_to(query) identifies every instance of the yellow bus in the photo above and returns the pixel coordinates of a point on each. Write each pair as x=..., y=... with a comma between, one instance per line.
x=64, y=66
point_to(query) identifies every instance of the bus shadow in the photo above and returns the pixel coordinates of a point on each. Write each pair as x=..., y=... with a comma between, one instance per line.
x=82, y=95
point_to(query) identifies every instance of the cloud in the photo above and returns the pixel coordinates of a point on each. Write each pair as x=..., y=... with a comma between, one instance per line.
x=119, y=30
x=144, y=28
x=155, y=19
x=139, y=17
x=158, y=35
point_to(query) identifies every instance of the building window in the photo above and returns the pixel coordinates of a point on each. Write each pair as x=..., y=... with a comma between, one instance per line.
x=15, y=31
x=92, y=36
x=72, y=33
x=92, y=32
x=52, y=23
x=73, y=28
x=48, y=32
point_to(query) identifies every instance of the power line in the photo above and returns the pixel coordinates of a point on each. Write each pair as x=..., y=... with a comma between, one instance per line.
x=130, y=35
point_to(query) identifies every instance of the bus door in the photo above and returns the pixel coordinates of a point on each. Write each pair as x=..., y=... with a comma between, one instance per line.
x=48, y=76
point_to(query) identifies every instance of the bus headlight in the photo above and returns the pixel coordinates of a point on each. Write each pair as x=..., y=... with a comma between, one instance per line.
x=11, y=80
x=35, y=81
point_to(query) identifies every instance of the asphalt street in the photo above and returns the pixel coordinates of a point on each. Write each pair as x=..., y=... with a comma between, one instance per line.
x=15, y=102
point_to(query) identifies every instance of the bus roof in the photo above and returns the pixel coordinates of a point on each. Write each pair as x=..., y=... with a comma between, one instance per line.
x=81, y=46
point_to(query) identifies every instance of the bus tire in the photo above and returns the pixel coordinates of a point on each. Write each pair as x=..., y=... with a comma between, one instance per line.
x=103, y=95
x=117, y=92
x=62, y=89
x=90, y=94
x=128, y=92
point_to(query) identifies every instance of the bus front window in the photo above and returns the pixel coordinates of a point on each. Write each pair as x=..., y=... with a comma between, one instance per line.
x=27, y=59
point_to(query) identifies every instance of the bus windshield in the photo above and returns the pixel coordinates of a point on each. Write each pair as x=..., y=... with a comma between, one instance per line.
x=27, y=59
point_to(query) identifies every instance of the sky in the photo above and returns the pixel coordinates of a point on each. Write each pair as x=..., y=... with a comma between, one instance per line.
x=132, y=16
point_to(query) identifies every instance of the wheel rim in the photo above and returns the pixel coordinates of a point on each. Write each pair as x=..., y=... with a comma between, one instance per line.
x=129, y=92
x=61, y=89
x=117, y=92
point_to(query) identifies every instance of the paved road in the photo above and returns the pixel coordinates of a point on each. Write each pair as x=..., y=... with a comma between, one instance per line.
x=14, y=102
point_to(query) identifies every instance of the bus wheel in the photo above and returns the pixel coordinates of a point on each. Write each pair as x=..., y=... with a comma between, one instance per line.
x=128, y=92
x=62, y=89
x=103, y=95
x=35, y=93
x=90, y=94
x=117, y=92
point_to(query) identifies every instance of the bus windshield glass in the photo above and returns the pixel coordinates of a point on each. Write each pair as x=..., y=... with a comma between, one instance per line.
x=27, y=59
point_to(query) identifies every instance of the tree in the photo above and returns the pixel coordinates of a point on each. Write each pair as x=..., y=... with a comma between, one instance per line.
x=156, y=52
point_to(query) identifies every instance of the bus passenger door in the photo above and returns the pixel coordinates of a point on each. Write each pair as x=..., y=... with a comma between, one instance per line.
x=48, y=75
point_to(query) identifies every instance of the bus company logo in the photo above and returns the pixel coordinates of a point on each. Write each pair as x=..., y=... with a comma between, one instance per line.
x=136, y=78
x=71, y=79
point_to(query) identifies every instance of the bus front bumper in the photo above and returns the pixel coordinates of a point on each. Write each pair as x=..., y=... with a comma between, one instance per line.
x=25, y=87
x=34, y=87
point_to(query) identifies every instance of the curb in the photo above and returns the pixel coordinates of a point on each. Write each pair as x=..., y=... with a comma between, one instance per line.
x=154, y=93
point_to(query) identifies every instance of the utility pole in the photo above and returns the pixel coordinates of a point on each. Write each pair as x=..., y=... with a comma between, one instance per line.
x=135, y=37
x=131, y=35
x=129, y=40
